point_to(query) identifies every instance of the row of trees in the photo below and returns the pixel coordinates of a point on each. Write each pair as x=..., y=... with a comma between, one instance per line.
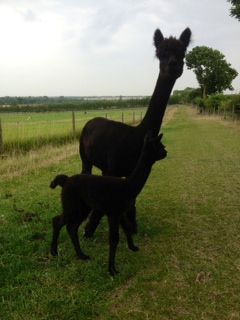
x=214, y=103
x=73, y=105
x=44, y=100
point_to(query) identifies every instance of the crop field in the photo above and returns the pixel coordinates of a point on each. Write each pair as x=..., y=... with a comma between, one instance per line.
x=25, y=131
x=188, y=265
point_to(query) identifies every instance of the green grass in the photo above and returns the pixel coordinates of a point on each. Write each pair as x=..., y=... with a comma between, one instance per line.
x=189, y=221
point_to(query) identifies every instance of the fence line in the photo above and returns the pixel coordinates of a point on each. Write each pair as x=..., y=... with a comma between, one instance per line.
x=224, y=113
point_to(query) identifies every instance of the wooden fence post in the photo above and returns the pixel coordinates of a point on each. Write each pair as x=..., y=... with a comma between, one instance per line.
x=122, y=117
x=73, y=125
x=106, y=116
x=1, y=138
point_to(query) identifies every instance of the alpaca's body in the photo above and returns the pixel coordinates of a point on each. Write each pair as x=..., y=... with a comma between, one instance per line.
x=112, y=195
x=115, y=138
x=114, y=147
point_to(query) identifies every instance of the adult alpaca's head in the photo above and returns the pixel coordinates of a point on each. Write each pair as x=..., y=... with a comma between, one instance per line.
x=171, y=52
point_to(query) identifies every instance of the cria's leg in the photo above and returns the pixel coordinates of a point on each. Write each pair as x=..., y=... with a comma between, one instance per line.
x=57, y=223
x=92, y=224
x=127, y=230
x=113, y=242
x=72, y=229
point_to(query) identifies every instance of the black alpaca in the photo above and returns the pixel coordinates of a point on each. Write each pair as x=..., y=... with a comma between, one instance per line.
x=114, y=147
x=112, y=195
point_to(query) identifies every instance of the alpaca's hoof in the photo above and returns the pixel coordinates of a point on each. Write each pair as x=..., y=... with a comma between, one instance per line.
x=113, y=272
x=54, y=252
x=88, y=235
x=134, y=248
x=88, y=232
x=83, y=257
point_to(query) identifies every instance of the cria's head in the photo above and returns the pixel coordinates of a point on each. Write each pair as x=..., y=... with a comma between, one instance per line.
x=153, y=147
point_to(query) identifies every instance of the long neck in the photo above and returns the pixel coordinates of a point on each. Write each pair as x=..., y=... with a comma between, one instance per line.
x=138, y=178
x=158, y=103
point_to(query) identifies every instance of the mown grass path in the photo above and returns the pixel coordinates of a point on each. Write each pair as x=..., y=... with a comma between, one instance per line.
x=188, y=266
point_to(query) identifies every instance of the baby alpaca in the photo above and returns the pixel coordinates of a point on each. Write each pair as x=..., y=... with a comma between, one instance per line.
x=82, y=193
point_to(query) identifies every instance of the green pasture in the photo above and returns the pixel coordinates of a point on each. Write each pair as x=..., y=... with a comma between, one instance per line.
x=25, y=131
x=25, y=125
x=188, y=266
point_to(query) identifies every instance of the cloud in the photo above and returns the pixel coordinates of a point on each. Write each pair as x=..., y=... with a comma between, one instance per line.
x=28, y=15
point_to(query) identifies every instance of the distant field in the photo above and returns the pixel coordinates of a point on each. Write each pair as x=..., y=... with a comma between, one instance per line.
x=23, y=131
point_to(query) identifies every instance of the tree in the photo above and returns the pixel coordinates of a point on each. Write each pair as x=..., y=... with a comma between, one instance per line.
x=213, y=72
x=186, y=95
x=235, y=9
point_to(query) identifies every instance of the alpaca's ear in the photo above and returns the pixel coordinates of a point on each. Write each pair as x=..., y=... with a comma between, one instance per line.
x=157, y=38
x=158, y=139
x=185, y=37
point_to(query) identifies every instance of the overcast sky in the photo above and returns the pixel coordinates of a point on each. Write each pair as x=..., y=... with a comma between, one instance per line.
x=103, y=47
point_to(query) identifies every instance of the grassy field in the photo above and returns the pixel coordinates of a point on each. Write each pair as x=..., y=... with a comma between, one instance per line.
x=188, y=266
x=26, y=131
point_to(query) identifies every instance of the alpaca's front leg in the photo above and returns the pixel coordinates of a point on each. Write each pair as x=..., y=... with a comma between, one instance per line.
x=131, y=214
x=113, y=221
x=93, y=222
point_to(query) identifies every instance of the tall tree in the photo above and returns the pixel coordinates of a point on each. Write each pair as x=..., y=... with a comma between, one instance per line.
x=235, y=9
x=213, y=72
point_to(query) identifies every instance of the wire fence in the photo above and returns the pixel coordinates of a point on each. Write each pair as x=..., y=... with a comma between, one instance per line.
x=23, y=132
x=225, y=114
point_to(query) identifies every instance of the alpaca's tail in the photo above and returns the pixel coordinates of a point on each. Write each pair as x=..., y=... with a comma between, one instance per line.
x=59, y=180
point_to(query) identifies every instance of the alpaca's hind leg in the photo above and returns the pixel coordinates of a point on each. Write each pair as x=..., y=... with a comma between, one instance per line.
x=93, y=223
x=131, y=214
x=72, y=229
x=86, y=167
x=57, y=223
x=113, y=242
x=128, y=232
